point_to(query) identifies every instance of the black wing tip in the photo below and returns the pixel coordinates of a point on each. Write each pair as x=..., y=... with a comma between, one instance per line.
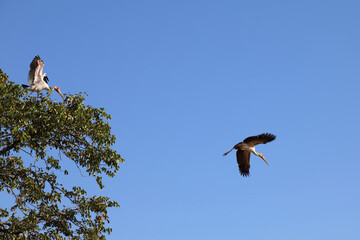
x=46, y=79
x=24, y=86
x=245, y=174
x=268, y=137
x=37, y=57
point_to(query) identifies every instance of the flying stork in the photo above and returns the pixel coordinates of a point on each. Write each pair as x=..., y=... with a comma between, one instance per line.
x=246, y=147
x=37, y=80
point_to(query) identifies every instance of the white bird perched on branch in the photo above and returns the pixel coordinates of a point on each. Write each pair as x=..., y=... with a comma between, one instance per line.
x=37, y=80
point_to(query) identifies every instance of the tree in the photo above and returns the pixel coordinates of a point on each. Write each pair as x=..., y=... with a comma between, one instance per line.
x=35, y=137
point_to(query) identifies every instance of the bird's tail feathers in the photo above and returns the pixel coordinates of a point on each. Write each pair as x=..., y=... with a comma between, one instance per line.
x=227, y=152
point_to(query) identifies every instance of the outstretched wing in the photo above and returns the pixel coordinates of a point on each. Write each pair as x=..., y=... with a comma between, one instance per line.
x=38, y=77
x=33, y=66
x=243, y=160
x=262, y=138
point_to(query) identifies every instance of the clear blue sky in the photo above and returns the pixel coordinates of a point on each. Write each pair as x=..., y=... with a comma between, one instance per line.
x=186, y=80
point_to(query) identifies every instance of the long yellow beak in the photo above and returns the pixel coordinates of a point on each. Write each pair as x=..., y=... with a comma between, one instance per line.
x=58, y=90
x=264, y=160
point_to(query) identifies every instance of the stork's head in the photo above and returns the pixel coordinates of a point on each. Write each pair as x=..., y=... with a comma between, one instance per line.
x=58, y=90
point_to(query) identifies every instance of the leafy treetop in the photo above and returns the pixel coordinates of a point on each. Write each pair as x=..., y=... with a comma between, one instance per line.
x=43, y=208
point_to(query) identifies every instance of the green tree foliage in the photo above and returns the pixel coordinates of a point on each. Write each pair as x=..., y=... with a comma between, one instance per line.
x=34, y=136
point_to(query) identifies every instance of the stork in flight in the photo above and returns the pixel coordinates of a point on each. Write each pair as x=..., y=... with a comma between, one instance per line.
x=246, y=147
x=37, y=80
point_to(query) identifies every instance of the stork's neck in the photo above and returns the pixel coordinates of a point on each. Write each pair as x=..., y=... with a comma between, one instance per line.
x=252, y=149
x=257, y=154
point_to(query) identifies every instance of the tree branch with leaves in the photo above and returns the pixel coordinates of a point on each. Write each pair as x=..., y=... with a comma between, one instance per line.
x=43, y=208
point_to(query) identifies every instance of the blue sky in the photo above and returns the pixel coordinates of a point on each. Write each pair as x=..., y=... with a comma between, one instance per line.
x=184, y=81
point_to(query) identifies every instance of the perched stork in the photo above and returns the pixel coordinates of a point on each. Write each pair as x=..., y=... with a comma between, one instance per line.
x=246, y=147
x=37, y=80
